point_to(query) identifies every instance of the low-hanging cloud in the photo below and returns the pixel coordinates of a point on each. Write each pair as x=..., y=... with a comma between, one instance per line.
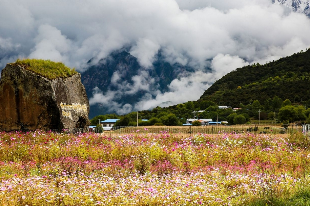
x=216, y=33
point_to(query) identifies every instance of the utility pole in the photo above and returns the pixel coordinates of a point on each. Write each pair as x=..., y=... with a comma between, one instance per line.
x=98, y=126
x=259, y=116
x=137, y=119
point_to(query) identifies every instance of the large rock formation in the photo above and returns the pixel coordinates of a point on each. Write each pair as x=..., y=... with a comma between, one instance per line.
x=29, y=101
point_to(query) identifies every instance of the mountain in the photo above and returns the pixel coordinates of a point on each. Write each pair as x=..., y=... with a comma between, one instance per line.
x=301, y=6
x=122, y=81
x=287, y=78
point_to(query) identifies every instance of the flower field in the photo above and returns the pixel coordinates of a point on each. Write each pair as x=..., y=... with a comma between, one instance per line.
x=42, y=168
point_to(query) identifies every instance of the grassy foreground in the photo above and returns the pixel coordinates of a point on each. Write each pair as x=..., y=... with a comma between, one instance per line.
x=40, y=168
x=46, y=68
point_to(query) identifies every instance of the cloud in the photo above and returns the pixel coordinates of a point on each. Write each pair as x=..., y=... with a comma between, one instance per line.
x=223, y=64
x=198, y=33
x=181, y=90
x=107, y=100
x=51, y=44
x=145, y=50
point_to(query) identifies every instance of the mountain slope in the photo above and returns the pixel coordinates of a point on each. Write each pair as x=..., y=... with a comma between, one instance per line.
x=287, y=78
x=122, y=81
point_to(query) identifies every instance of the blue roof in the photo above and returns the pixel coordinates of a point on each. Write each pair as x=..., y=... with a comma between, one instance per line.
x=187, y=124
x=110, y=121
x=144, y=120
x=215, y=122
x=91, y=126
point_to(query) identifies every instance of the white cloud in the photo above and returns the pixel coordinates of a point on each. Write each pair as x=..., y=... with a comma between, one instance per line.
x=115, y=77
x=98, y=97
x=190, y=32
x=223, y=64
x=181, y=90
x=51, y=44
x=145, y=50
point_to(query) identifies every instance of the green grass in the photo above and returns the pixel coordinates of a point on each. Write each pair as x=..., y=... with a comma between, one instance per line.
x=302, y=197
x=46, y=68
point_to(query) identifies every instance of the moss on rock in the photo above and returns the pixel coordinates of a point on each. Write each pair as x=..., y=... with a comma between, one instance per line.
x=46, y=68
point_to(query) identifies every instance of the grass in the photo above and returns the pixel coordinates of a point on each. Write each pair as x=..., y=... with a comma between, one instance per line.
x=46, y=68
x=45, y=168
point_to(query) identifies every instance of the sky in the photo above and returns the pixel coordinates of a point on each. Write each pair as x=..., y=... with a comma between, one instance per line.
x=221, y=34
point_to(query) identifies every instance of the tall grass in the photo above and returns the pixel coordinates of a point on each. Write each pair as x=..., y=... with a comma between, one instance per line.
x=46, y=68
x=39, y=168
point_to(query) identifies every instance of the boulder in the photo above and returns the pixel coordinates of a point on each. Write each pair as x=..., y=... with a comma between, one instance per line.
x=31, y=101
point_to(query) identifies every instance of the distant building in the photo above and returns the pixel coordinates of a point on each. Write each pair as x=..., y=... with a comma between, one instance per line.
x=91, y=128
x=205, y=121
x=202, y=121
x=214, y=123
x=223, y=107
x=108, y=123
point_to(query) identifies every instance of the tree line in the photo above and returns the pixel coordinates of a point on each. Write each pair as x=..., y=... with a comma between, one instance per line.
x=276, y=110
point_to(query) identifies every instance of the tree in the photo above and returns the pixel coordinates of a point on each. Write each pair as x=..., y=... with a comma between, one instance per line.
x=287, y=113
x=196, y=123
x=286, y=103
x=212, y=108
x=189, y=105
x=95, y=120
x=300, y=113
x=256, y=105
x=170, y=120
x=154, y=120
x=230, y=118
x=99, y=128
x=123, y=121
x=276, y=103
x=239, y=119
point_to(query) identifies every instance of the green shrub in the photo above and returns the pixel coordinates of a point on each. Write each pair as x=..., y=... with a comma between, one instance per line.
x=99, y=128
x=46, y=68
x=159, y=124
x=196, y=123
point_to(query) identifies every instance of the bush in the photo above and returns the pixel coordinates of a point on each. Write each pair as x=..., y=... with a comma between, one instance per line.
x=123, y=121
x=154, y=120
x=99, y=128
x=170, y=120
x=196, y=123
x=239, y=119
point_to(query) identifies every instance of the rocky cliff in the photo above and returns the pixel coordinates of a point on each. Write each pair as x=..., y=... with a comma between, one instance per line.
x=29, y=101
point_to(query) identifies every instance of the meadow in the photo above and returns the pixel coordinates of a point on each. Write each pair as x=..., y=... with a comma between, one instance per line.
x=46, y=168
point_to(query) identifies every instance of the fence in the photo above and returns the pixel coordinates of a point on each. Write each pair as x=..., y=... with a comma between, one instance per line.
x=209, y=129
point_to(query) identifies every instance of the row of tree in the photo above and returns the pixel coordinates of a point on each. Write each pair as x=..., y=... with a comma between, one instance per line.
x=274, y=109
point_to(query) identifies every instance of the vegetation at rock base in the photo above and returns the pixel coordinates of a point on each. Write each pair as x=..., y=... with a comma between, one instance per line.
x=46, y=68
x=45, y=168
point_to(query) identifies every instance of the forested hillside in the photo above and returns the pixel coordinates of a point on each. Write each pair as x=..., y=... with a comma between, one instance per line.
x=287, y=78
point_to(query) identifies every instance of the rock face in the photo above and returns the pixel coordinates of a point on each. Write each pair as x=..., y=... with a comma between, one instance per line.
x=29, y=101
